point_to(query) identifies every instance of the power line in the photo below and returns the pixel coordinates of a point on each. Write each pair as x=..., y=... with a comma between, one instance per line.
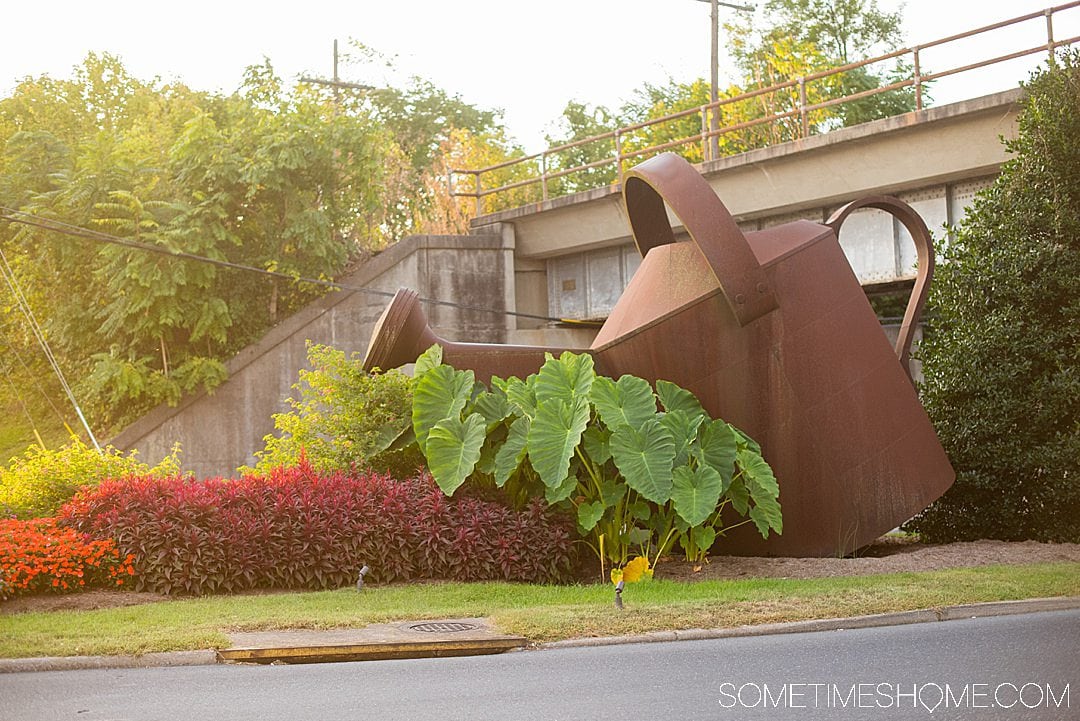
x=10, y=348
x=56, y=226
x=25, y=408
x=35, y=328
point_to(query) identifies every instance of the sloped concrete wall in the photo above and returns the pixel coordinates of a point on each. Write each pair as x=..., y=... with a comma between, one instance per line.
x=221, y=431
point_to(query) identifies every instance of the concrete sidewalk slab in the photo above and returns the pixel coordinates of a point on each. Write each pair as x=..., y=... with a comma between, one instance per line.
x=410, y=639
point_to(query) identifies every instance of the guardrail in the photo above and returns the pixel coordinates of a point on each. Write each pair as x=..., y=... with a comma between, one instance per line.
x=797, y=118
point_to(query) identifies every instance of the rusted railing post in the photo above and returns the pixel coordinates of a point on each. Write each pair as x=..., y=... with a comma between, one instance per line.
x=1050, y=35
x=479, y=198
x=706, y=140
x=543, y=176
x=802, y=108
x=618, y=154
x=917, y=78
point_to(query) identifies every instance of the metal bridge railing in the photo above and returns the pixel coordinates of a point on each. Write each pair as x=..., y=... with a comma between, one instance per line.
x=795, y=119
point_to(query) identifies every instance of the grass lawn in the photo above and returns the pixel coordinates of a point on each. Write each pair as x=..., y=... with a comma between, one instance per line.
x=541, y=613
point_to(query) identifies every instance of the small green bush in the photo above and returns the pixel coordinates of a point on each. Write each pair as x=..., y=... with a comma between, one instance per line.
x=37, y=483
x=345, y=417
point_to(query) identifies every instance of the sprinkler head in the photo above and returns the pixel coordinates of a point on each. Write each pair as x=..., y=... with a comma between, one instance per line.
x=360, y=580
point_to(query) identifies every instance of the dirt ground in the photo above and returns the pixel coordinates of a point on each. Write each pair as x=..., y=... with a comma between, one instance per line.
x=887, y=555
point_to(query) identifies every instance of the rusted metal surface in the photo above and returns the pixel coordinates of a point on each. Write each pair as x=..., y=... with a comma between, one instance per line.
x=402, y=334
x=773, y=333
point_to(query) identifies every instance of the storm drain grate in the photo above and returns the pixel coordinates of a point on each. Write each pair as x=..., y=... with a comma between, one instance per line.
x=443, y=627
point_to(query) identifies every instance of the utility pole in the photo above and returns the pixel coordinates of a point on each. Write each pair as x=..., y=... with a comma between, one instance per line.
x=336, y=83
x=714, y=72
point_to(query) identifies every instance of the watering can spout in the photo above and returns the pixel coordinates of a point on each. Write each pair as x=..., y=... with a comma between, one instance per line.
x=402, y=333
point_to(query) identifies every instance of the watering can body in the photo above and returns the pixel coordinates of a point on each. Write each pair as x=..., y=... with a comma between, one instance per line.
x=773, y=333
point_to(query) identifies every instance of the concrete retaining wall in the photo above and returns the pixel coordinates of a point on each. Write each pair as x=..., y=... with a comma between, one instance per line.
x=222, y=430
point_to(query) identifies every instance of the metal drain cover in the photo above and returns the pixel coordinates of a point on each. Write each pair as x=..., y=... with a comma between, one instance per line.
x=443, y=627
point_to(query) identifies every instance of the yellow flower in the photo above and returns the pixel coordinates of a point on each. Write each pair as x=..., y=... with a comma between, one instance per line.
x=636, y=570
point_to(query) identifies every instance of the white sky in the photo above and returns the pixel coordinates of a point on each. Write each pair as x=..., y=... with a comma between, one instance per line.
x=528, y=59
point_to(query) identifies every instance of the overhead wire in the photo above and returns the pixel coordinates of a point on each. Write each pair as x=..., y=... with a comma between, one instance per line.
x=18, y=216
x=23, y=406
x=35, y=328
x=37, y=384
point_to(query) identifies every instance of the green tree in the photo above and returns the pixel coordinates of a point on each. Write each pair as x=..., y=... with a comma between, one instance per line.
x=580, y=121
x=795, y=38
x=300, y=182
x=656, y=101
x=343, y=417
x=1002, y=362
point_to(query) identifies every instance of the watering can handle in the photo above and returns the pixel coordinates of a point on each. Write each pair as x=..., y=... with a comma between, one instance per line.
x=924, y=245
x=668, y=177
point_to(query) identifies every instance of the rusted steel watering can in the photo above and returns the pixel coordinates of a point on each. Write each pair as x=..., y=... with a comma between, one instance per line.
x=773, y=333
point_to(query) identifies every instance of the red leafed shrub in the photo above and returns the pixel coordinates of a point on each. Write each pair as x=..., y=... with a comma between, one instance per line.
x=298, y=528
x=37, y=555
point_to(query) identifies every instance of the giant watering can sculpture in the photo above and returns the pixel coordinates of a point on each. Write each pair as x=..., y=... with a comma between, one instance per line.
x=773, y=333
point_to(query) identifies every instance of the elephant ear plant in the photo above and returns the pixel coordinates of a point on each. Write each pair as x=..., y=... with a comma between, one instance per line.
x=638, y=474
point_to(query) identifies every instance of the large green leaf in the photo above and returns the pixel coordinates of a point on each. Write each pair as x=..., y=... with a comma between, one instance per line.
x=766, y=516
x=612, y=491
x=695, y=493
x=763, y=489
x=553, y=436
x=561, y=491
x=564, y=378
x=644, y=456
x=440, y=393
x=596, y=442
x=589, y=514
x=493, y=405
x=746, y=441
x=429, y=359
x=520, y=394
x=453, y=450
x=716, y=449
x=757, y=474
x=626, y=402
x=683, y=427
x=392, y=435
x=740, y=497
x=512, y=452
x=704, y=538
x=674, y=398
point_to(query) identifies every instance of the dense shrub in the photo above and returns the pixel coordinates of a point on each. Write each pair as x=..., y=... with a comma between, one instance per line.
x=298, y=528
x=1002, y=360
x=37, y=556
x=37, y=483
x=344, y=417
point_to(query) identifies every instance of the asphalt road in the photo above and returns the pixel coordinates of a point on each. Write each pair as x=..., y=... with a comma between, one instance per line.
x=1006, y=667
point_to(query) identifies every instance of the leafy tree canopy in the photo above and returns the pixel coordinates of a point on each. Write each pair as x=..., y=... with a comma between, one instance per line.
x=787, y=40
x=299, y=181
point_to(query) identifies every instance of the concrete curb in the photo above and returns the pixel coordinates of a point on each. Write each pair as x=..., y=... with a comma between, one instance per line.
x=897, y=618
x=74, y=663
x=948, y=613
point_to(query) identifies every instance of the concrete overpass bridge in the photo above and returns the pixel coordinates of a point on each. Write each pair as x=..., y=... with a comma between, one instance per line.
x=574, y=255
